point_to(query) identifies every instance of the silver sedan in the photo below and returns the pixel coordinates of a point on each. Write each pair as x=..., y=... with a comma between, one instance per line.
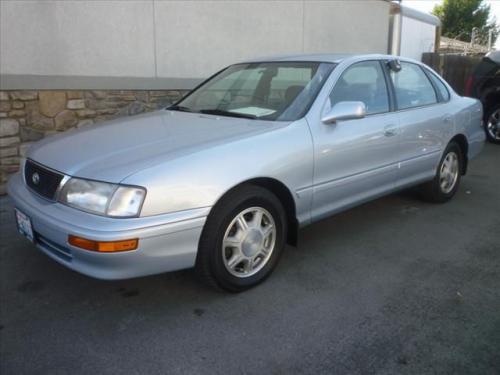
x=224, y=178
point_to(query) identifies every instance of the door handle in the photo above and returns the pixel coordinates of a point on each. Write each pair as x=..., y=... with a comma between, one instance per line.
x=390, y=131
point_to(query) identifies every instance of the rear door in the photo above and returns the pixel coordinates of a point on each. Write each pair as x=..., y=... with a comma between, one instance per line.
x=425, y=121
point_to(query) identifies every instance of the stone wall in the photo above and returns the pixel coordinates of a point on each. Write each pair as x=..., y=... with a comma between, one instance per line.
x=28, y=116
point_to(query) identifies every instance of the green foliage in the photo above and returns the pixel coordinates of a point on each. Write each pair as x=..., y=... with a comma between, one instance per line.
x=459, y=17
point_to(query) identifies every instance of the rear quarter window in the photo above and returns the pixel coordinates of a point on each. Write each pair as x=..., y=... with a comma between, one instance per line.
x=441, y=87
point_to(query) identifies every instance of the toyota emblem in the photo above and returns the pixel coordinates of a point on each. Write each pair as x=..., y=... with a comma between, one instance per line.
x=35, y=177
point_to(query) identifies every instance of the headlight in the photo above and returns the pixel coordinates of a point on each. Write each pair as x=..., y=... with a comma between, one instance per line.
x=102, y=198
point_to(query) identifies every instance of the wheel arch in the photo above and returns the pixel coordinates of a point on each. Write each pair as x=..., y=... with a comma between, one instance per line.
x=283, y=193
x=462, y=142
x=489, y=101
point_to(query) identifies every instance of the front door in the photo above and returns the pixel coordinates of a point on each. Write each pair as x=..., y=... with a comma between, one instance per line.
x=356, y=160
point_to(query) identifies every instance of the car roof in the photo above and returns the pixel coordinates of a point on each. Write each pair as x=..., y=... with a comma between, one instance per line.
x=323, y=57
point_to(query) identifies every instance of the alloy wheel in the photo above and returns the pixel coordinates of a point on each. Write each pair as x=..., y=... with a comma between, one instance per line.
x=448, y=174
x=493, y=125
x=249, y=242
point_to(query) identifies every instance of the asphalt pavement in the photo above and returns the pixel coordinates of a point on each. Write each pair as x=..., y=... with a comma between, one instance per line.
x=396, y=286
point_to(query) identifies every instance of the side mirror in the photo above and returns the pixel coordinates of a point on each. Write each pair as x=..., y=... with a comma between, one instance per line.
x=345, y=111
x=394, y=65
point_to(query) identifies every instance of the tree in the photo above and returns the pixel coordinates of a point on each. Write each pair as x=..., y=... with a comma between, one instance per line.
x=460, y=17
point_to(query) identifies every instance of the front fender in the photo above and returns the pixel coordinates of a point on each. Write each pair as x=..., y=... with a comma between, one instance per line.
x=199, y=179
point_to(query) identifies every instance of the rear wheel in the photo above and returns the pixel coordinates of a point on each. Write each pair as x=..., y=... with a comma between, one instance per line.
x=445, y=184
x=242, y=240
x=492, y=125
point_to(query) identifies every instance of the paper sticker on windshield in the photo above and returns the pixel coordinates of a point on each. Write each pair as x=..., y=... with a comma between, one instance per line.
x=254, y=111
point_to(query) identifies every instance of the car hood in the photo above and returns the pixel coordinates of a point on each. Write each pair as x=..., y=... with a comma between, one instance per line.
x=114, y=150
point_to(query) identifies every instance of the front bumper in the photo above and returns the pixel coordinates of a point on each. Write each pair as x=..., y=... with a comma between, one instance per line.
x=167, y=242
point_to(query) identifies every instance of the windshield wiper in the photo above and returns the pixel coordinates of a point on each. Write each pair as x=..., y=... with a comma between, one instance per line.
x=221, y=112
x=179, y=108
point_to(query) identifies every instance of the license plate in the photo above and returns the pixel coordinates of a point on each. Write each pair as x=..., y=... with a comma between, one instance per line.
x=24, y=225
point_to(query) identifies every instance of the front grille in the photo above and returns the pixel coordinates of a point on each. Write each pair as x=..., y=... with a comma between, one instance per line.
x=42, y=180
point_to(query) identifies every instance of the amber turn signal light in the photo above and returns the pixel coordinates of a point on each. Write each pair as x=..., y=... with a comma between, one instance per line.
x=103, y=246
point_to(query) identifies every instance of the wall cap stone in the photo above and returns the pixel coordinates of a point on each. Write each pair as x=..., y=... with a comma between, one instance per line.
x=43, y=82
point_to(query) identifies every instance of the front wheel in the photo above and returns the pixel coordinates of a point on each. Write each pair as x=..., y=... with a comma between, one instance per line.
x=242, y=240
x=492, y=125
x=447, y=179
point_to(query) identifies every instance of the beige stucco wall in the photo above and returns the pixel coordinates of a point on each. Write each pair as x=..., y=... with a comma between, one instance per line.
x=176, y=39
x=86, y=38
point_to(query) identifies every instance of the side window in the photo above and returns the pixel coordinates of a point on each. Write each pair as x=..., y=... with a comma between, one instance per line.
x=413, y=88
x=440, y=86
x=363, y=82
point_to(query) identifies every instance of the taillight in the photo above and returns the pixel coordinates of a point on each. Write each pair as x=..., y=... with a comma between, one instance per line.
x=469, y=84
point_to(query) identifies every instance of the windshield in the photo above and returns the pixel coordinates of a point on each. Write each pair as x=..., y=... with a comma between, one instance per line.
x=276, y=91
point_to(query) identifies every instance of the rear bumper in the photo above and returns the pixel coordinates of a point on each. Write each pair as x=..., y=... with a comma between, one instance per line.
x=167, y=242
x=476, y=143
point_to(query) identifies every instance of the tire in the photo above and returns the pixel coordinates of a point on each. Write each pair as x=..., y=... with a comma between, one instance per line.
x=492, y=123
x=256, y=249
x=446, y=182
